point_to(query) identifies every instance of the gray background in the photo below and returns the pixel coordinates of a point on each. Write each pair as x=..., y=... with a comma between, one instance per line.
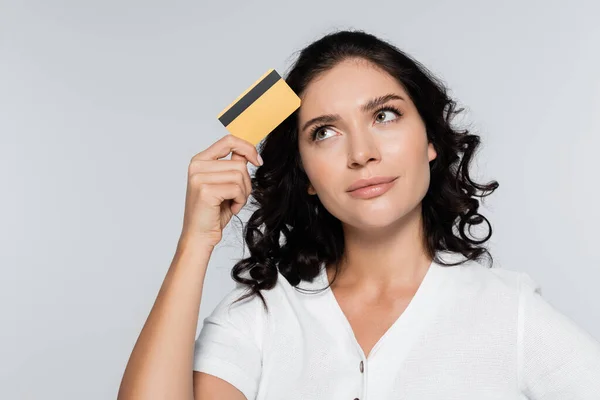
x=103, y=104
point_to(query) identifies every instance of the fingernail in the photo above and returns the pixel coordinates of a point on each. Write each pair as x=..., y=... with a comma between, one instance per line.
x=260, y=160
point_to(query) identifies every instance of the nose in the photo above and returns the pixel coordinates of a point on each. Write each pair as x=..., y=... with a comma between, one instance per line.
x=362, y=148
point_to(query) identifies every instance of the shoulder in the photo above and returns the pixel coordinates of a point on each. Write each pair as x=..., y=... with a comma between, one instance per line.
x=248, y=320
x=249, y=312
x=253, y=304
x=241, y=318
x=231, y=341
x=505, y=285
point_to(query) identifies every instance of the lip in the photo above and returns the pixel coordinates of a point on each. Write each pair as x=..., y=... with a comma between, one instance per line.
x=368, y=192
x=376, y=180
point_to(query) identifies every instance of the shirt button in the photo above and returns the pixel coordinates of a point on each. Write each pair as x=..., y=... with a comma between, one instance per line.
x=362, y=368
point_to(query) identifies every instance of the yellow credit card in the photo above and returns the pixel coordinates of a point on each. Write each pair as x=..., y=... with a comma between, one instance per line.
x=263, y=106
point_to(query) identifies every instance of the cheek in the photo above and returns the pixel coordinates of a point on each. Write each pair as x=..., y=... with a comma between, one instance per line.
x=318, y=171
x=321, y=173
x=418, y=174
x=408, y=157
x=407, y=146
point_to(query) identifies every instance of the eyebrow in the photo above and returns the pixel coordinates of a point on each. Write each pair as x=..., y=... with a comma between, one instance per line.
x=368, y=106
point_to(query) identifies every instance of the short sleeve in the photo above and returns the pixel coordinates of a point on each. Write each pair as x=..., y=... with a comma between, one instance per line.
x=558, y=359
x=230, y=341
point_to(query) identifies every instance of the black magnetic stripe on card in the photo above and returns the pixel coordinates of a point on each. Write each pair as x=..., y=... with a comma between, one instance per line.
x=249, y=98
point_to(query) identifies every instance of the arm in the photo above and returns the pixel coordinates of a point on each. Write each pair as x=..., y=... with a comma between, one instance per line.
x=558, y=359
x=160, y=365
x=210, y=387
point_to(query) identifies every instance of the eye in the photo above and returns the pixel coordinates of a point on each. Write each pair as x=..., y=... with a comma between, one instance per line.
x=383, y=111
x=315, y=132
x=389, y=109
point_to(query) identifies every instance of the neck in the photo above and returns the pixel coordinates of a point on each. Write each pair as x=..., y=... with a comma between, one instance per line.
x=387, y=258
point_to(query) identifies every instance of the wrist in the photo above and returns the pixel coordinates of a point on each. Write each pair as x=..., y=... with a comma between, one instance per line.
x=191, y=246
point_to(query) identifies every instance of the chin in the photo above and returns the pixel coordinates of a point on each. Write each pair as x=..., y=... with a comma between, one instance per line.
x=374, y=223
x=371, y=218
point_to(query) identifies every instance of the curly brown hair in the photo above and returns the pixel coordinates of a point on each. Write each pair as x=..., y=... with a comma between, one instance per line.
x=311, y=235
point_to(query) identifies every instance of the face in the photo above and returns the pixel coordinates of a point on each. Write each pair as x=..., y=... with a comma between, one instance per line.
x=363, y=143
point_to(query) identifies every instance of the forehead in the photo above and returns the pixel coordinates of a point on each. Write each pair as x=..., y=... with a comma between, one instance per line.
x=347, y=85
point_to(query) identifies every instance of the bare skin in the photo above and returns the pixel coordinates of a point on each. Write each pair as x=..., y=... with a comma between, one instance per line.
x=385, y=259
x=371, y=318
x=160, y=365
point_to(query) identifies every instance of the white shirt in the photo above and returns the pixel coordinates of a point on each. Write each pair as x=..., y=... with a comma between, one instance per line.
x=470, y=332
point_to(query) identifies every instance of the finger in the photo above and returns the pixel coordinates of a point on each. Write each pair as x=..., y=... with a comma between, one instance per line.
x=230, y=144
x=231, y=191
x=211, y=167
x=238, y=157
x=224, y=177
x=217, y=193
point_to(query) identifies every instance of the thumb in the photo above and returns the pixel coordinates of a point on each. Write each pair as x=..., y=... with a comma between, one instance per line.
x=236, y=156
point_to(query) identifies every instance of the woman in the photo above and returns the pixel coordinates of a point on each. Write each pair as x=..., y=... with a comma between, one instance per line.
x=354, y=291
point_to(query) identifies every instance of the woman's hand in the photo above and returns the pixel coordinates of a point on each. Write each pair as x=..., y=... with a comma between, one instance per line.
x=217, y=189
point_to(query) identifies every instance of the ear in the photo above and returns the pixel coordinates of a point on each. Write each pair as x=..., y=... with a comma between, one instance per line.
x=311, y=189
x=431, y=153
